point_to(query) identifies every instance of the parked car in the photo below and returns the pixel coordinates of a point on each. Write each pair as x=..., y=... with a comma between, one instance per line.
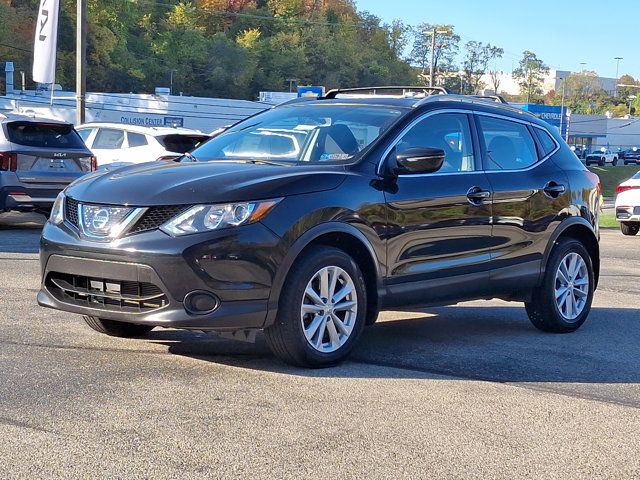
x=308, y=219
x=628, y=205
x=602, y=157
x=38, y=158
x=631, y=156
x=579, y=150
x=124, y=144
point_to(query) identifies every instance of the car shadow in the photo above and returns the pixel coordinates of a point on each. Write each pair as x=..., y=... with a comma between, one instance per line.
x=483, y=343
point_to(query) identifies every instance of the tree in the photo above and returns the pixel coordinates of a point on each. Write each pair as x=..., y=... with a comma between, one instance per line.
x=444, y=53
x=496, y=79
x=398, y=33
x=476, y=62
x=530, y=75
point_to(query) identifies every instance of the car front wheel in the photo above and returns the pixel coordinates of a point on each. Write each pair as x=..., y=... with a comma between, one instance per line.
x=628, y=228
x=563, y=301
x=117, y=329
x=615, y=161
x=322, y=309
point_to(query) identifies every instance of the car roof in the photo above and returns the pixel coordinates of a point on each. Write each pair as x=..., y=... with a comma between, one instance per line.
x=453, y=101
x=153, y=131
x=20, y=117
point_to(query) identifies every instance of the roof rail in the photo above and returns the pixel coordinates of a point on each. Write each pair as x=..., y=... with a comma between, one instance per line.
x=495, y=98
x=375, y=90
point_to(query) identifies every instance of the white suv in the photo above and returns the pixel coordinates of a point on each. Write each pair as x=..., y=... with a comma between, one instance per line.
x=119, y=143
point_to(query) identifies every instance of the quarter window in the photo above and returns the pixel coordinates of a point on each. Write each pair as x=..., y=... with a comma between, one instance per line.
x=136, y=139
x=509, y=145
x=547, y=143
x=109, y=139
x=447, y=131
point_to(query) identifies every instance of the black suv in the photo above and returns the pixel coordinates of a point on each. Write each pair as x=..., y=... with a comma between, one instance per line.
x=308, y=219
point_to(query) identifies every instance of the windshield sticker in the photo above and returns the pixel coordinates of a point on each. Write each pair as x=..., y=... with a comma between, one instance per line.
x=334, y=156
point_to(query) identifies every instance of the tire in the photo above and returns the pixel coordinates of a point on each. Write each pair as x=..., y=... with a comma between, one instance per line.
x=543, y=309
x=629, y=228
x=615, y=161
x=329, y=344
x=117, y=329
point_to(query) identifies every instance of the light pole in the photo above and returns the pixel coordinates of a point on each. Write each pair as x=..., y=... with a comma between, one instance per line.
x=81, y=61
x=433, y=34
x=582, y=65
x=617, y=59
x=172, y=71
x=562, y=104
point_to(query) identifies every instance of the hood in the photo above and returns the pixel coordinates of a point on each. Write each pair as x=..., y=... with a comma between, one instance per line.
x=169, y=183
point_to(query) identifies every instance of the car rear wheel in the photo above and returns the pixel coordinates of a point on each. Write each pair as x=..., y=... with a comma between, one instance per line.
x=615, y=161
x=563, y=301
x=629, y=228
x=322, y=310
x=117, y=329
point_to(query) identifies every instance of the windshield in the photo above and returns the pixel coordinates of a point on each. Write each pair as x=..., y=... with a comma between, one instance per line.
x=48, y=135
x=302, y=133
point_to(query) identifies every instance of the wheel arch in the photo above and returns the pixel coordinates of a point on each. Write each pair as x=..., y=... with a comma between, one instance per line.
x=344, y=237
x=579, y=229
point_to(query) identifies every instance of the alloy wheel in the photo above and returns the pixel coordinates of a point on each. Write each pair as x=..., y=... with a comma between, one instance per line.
x=329, y=309
x=572, y=286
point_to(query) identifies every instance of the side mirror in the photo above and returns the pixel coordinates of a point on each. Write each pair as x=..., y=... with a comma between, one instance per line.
x=420, y=160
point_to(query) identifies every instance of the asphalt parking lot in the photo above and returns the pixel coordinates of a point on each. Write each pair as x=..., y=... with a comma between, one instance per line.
x=470, y=391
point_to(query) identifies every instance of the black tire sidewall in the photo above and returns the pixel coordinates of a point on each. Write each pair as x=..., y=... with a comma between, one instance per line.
x=289, y=311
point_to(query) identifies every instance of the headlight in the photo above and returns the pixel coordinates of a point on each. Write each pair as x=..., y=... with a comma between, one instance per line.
x=204, y=218
x=57, y=212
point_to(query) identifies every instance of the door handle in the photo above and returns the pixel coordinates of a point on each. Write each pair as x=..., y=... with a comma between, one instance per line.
x=553, y=189
x=477, y=196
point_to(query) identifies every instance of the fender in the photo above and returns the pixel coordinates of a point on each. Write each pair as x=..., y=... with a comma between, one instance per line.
x=300, y=244
x=564, y=225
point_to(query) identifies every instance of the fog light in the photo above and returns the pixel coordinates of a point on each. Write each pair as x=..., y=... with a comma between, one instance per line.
x=200, y=302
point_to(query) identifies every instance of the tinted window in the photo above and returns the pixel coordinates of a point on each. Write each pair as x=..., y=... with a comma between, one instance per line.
x=547, y=143
x=448, y=131
x=181, y=143
x=136, y=139
x=109, y=139
x=51, y=135
x=302, y=133
x=509, y=144
x=84, y=133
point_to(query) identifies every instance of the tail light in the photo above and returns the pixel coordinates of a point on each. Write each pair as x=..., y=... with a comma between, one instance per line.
x=94, y=163
x=624, y=188
x=8, y=161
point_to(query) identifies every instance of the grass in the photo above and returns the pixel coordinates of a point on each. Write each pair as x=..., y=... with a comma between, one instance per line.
x=611, y=177
x=608, y=220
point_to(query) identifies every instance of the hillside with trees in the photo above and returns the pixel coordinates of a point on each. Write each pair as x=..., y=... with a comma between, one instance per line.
x=222, y=48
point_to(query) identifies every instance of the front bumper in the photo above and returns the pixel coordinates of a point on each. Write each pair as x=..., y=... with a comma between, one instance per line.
x=144, y=278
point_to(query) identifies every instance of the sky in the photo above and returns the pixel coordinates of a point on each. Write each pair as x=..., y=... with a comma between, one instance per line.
x=563, y=33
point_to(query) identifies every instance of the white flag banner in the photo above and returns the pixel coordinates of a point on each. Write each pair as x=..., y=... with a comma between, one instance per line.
x=46, y=40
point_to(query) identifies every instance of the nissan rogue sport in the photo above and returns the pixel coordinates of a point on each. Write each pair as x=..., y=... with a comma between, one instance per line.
x=306, y=220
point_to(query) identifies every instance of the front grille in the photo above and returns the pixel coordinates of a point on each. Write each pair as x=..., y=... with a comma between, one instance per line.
x=156, y=216
x=114, y=295
x=71, y=210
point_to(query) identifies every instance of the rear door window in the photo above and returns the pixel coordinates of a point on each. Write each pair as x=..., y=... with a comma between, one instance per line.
x=508, y=145
x=109, y=139
x=44, y=135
